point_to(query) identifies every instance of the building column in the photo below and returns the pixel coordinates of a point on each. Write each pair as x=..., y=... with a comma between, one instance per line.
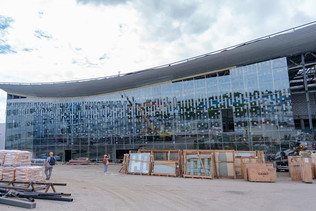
x=307, y=93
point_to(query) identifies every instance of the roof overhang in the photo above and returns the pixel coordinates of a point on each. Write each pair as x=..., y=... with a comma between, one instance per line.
x=293, y=42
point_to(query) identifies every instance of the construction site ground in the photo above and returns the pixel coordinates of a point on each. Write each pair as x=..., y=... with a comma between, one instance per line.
x=92, y=190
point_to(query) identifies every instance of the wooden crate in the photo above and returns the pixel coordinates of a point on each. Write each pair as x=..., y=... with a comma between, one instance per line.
x=229, y=161
x=245, y=167
x=295, y=168
x=172, y=165
x=313, y=155
x=243, y=157
x=130, y=159
x=166, y=156
x=200, y=155
x=261, y=174
x=306, y=163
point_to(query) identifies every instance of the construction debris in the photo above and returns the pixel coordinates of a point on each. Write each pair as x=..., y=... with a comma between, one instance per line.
x=19, y=194
x=79, y=161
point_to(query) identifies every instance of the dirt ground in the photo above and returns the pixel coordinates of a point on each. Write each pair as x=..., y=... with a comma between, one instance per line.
x=92, y=190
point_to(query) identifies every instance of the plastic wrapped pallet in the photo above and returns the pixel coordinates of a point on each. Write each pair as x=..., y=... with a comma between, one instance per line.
x=21, y=174
x=29, y=173
x=1, y=172
x=36, y=173
x=17, y=158
x=8, y=173
x=24, y=158
x=2, y=156
x=11, y=157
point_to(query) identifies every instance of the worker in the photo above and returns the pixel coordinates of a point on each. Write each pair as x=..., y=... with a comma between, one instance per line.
x=106, y=163
x=49, y=164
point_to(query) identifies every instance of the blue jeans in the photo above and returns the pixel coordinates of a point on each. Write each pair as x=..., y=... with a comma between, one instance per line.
x=105, y=168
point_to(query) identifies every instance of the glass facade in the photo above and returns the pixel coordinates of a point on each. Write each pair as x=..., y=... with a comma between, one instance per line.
x=244, y=108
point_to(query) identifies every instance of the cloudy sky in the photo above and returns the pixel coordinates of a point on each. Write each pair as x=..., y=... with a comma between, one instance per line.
x=60, y=40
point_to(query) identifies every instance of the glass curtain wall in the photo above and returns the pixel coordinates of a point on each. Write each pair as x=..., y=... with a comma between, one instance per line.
x=245, y=108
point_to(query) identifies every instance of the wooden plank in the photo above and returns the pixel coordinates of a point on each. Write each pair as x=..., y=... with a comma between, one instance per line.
x=202, y=164
x=163, y=174
x=197, y=176
x=260, y=155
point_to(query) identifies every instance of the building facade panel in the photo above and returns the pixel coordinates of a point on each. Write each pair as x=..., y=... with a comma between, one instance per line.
x=244, y=108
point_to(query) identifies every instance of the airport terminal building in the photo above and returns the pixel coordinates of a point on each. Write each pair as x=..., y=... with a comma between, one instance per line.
x=259, y=95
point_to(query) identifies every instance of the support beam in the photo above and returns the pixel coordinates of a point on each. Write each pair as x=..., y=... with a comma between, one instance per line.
x=307, y=93
x=17, y=203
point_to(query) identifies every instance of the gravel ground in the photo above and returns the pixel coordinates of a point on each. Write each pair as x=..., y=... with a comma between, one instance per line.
x=92, y=190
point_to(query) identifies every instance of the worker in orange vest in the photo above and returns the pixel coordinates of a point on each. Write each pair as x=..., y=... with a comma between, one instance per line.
x=106, y=163
x=49, y=164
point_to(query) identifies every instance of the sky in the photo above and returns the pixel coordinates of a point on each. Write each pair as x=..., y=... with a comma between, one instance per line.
x=62, y=40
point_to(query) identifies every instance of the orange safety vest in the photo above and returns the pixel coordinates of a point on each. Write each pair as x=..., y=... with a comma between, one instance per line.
x=105, y=161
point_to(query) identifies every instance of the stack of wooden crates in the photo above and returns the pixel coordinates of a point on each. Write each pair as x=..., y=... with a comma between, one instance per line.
x=303, y=167
x=207, y=164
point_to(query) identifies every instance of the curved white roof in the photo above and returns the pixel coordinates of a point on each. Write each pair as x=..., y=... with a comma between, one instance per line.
x=287, y=43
